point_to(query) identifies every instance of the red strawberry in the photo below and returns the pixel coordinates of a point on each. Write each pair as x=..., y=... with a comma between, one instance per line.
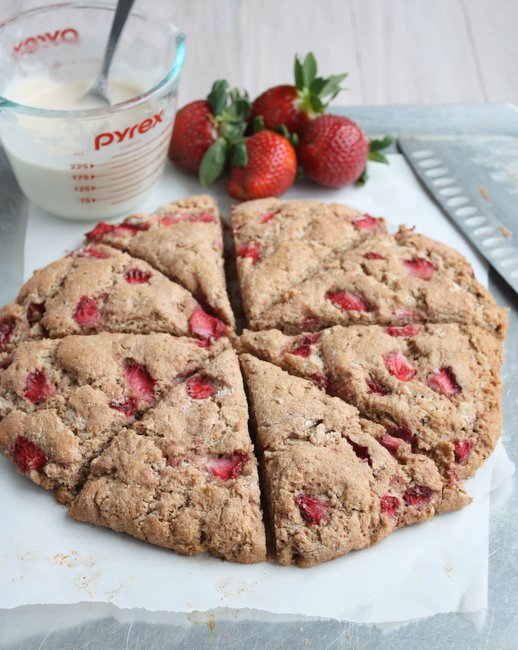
x=170, y=219
x=398, y=366
x=333, y=151
x=139, y=381
x=137, y=276
x=195, y=130
x=200, y=387
x=391, y=443
x=116, y=229
x=7, y=327
x=366, y=222
x=347, y=300
x=38, y=387
x=303, y=351
x=295, y=106
x=28, y=456
x=87, y=312
x=35, y=312
x=373, y=256
x=313, y=511
x=207, y=133
x=420, y=267
x=463, y=449
x=361, y=451
x=252, y=250
x=205, y=326
x=376, y=387
x=417, y=495
x=270, y=171
x=126, y=405
x=444, y=381
x=227, y=466
x=389, y=504
x=404, y=330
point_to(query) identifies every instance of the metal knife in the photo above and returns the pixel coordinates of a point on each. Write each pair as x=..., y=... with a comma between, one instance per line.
x=460, y=174
x=14, y=212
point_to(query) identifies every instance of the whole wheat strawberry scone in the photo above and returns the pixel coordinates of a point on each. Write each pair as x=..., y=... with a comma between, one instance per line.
x=304, y=266
x=120, y=390
x=330, y=486
x=436, y=387
x=183, y=240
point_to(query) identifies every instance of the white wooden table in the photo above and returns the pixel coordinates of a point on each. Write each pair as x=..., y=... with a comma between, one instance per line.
x=396, y=51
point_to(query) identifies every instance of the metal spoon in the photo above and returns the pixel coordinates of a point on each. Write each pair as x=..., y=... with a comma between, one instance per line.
x=99, y=90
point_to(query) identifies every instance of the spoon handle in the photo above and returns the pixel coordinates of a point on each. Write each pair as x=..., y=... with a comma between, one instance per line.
x=121, y=14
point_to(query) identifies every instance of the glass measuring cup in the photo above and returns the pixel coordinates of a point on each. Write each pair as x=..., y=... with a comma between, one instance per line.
x=88, y=163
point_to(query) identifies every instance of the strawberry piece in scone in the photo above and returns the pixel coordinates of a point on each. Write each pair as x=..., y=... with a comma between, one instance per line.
x=99, y=288
x=436, y=387
x=61, y=401
x=313, y=265
x=183, y=240
x=330, y=486
x=184, y=476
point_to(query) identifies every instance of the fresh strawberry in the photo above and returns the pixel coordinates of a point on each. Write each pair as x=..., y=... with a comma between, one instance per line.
x=227, y=466
x=313, y=511
x=195, y=130
x=205, y=326
x=295, y=106
x=271, y=168
x=28, y=456
x=463, y=449
x=137, y=276
x=251, y=249
x=347, y=300
x=420, y=267
x=398, y=366
x=126, y=405
x=389, y=504
x=7, y=327
x=361, y=451
x=403, y=330
x=333, y=151
x=139, y=381
x=444, y=381
x=200, y=387
x=87, y=312
x=207, y=134
x=417, y=495
x=38, y=388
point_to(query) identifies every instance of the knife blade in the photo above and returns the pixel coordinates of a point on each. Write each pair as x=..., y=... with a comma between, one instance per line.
x=14, y=212
x=483, y=209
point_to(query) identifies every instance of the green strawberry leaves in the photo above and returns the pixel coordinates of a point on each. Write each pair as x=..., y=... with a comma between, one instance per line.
x=230, y=109
x=315, y=93
x=376, y=145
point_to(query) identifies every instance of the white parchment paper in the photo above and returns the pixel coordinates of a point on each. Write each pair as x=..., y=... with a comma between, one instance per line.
x=439, y=566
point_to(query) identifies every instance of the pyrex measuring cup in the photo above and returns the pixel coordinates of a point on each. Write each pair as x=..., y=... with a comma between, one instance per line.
x=94, y=162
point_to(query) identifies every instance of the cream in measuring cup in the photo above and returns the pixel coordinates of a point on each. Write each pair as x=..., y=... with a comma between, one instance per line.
x=72, y=157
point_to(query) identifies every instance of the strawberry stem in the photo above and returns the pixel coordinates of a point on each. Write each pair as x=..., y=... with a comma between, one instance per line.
x=315, y=93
